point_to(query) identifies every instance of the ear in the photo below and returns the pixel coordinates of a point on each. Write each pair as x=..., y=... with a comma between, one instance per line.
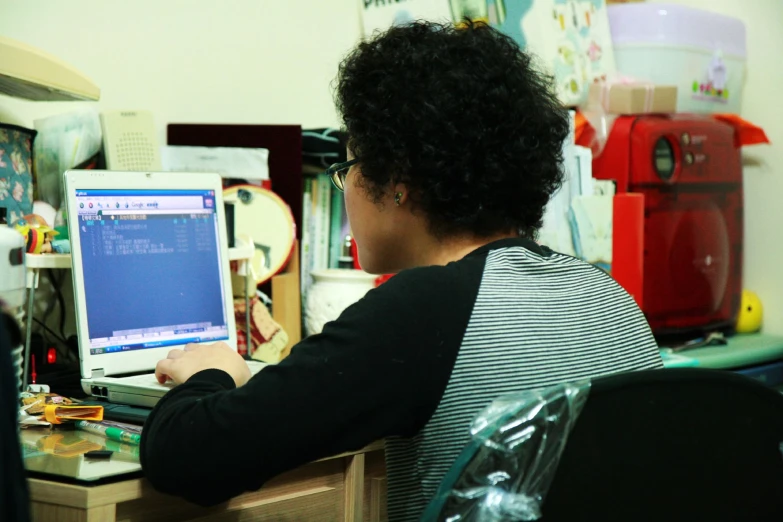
x=400, y=194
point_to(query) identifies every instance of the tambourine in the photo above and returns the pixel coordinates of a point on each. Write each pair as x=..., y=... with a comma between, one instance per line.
x=267, y=219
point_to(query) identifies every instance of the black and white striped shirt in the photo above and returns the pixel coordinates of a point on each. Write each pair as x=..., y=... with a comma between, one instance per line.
x=412, y=362
x=539, y=319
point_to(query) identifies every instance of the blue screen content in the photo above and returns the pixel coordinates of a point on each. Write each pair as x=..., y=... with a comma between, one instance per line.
x=151, y=268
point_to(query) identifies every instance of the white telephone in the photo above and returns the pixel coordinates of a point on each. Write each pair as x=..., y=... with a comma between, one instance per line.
x=129, y=141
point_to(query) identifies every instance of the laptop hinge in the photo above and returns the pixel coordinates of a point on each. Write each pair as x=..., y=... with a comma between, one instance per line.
x=97, y=373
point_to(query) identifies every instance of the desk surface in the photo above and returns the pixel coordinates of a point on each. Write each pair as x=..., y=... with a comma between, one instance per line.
x=60, y=453
x=349, y=487
x=741, y=350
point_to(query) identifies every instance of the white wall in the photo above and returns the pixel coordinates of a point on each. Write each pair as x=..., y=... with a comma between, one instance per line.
x=761, y=104
x=200, y=61
x=271, y=61
x=230, y=61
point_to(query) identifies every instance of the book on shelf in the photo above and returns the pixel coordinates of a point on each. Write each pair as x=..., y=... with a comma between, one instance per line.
x=324, y=227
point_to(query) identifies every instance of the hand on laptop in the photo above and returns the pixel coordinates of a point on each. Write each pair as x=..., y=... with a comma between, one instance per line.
x=181, y=365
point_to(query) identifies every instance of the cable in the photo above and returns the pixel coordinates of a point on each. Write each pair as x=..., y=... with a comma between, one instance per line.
x=50, y=331
x=63, y=349
x=60, y=299
x=50, y=303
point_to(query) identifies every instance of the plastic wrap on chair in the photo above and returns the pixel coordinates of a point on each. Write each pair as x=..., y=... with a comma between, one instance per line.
x=505, y=471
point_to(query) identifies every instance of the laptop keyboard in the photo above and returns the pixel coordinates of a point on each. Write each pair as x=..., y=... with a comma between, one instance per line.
x=148, y=380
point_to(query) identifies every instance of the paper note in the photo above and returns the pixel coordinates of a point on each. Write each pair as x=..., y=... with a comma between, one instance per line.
x=230, y=162
x=591, y=222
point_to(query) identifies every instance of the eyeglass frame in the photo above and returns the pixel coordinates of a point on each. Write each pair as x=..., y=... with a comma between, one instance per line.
x=339, y=171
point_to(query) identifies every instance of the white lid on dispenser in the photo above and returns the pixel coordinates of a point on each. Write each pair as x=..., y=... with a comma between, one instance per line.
x=676, y=25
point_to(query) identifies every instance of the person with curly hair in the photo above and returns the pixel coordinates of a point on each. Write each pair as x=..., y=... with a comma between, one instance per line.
x=454, y=149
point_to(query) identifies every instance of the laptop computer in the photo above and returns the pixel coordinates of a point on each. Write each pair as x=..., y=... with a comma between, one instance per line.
x=150, y=273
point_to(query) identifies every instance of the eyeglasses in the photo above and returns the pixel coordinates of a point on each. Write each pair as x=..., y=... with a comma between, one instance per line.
x=338, y=171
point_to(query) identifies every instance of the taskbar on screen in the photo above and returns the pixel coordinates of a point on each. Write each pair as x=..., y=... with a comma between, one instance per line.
x=156, y=344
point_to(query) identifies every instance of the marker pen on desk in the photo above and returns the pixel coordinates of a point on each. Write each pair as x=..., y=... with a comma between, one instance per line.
x=109, y=432
x=121, y=449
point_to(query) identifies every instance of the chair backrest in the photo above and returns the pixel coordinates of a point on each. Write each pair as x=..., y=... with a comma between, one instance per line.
x=13, y=480
x=676, y=444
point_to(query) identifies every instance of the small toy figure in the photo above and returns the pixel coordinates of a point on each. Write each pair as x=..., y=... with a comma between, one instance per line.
x=36, y=232
x=751, y=313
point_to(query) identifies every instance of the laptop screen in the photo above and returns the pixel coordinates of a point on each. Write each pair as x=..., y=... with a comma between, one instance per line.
x=152, y=268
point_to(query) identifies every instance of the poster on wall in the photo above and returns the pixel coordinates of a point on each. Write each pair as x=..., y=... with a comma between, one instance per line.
x=571, y=39
x=379, y=15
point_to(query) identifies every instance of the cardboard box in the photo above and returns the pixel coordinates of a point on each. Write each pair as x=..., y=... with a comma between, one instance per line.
x=633, y=98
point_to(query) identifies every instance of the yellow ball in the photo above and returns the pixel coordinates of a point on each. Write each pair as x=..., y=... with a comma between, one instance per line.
x=750, y=314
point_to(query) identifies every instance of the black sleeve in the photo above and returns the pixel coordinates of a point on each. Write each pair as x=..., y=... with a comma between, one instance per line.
x=379, y=370
x=14, y=497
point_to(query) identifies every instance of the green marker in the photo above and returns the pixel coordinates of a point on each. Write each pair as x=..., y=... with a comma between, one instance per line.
x=110, y=432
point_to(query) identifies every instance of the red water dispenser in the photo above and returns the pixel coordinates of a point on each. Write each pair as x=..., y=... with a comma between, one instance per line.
x=688, y=168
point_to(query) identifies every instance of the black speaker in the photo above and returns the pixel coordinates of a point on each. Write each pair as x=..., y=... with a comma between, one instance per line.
x=229, y=211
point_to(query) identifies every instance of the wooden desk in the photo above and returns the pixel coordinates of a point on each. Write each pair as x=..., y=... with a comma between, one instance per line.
x=350, y=487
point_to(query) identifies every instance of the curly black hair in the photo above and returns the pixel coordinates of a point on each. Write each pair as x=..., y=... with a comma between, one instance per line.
x=462, y=117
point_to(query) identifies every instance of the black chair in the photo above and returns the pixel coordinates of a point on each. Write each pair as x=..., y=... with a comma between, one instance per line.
x=13, y=481
x=678, y=444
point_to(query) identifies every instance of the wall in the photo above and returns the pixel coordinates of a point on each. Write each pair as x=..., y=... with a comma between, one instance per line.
x=243, y=61
x=236, y=61
x=763, y=270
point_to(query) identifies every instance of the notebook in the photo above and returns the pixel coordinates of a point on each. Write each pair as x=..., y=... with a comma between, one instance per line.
x=150, y=273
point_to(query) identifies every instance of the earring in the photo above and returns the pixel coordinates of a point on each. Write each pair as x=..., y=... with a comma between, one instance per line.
x=397, y=198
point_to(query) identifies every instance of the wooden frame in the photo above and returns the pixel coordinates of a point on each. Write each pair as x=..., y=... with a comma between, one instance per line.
x=287, y=301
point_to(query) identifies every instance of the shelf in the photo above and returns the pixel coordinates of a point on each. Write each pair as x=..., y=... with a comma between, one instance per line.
x=38, y=261
x=29, y=73
x=47, y=260
x=241, y=252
